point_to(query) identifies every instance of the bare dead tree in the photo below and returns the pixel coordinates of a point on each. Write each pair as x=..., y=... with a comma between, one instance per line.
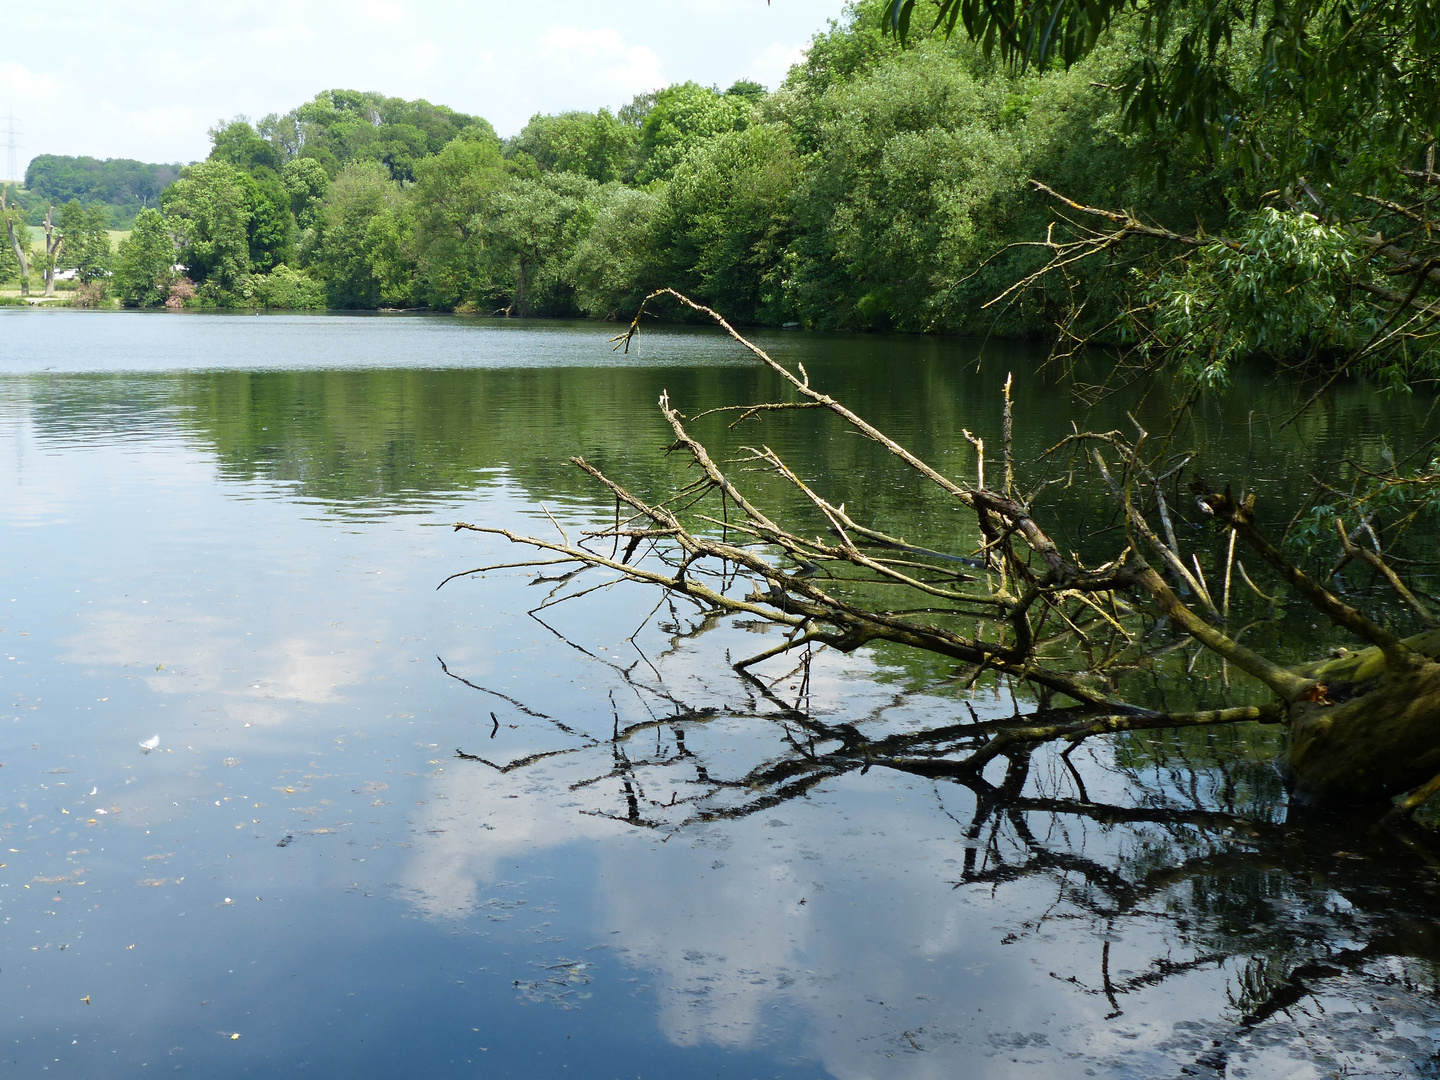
x=53, y=241
x=1362, y=727
x=16, y=245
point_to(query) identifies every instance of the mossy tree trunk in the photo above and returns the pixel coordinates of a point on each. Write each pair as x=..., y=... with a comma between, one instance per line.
x=1374, y=732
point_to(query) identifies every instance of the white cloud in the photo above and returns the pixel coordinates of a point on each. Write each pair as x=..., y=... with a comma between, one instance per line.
x=385, y=12
x=20, y=80
x=423, y=56
x=570, y=41
x=601, y=59
x=737, y=922
x=248, y=58
x=771, y=66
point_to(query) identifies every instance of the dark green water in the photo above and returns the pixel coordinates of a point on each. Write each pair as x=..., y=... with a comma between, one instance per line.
x=215, y=530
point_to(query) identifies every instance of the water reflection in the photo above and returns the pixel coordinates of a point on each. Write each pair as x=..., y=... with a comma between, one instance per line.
x=688, y=873
x=1101, y=913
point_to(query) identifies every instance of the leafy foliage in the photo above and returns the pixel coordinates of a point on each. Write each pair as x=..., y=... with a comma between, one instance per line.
x=144, y=262
x=306, y=182
x=598, y=146
x=620, y=258
x=1332, y=93
x=241, y=145
x=209, y=209
x=451, y=192
x=340, y=127
x=728, y=221
x=354, y=233
x=118, y=182
x=286, y=289
x=529, y=236
x=87, y=240
x=1284, y=287
x=682, y=117
x=1219, y=70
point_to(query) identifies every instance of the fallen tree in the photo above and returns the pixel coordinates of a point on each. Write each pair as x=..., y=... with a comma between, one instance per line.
x=1363, y=727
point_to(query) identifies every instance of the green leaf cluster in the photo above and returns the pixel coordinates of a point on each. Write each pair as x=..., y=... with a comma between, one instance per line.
x=144, y=263
x=121, y=186
x=87, y=240
x=1284, y=287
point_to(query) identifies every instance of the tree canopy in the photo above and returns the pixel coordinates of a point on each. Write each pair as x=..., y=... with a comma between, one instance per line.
x=1192, y=185
x=116, y=181
x=1339, y=76
x=339, y=127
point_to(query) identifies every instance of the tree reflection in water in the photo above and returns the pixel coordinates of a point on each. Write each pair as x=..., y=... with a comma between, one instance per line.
x=1180, y=840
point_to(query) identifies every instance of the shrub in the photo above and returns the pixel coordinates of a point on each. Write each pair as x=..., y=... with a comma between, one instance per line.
x=181, y=295
x=287, y=290
x=91, y=294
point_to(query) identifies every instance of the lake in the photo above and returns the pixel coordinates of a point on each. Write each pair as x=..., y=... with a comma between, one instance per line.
x=236, y=838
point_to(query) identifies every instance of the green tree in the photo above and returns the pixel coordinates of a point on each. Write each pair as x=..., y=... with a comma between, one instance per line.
x=398, y=147
x=729, y=219
x=285, y=289
x=1332, y=109
x=87, y=240
x=58, y=178
x=914, y=164
x=634, y=112
x=144, y=262
x=209, y=210
x=748, y=89
x=239, y=144
x=451, y=200
x=595, y=145
x=18, y=236
x=305, y=182
x=530, y=232
x=360, y=237
x=683, y=116
x=339, y=127
x=619, y=259
x=846, y=49
x=1286, y=291
x=270, y=233
x=1330, y=77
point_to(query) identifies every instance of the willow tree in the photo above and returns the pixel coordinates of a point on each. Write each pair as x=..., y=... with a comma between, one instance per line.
x=1332, y=107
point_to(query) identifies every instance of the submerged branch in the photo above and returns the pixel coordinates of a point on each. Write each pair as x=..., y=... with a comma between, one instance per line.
x=1032, y=614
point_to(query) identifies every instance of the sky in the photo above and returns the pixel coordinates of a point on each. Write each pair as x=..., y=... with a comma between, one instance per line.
x=147, y=80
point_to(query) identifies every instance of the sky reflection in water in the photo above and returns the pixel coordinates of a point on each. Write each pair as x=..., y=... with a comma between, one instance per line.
x=304, y=863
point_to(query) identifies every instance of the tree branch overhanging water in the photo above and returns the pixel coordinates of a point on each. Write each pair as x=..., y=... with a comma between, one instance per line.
x=1361, y=727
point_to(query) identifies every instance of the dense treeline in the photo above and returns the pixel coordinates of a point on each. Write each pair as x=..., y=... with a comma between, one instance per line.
x=126, y=185
x=884, y=185
x=865, y=192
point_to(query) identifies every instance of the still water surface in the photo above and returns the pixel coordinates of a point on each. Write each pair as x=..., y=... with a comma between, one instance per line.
x=218, y=531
